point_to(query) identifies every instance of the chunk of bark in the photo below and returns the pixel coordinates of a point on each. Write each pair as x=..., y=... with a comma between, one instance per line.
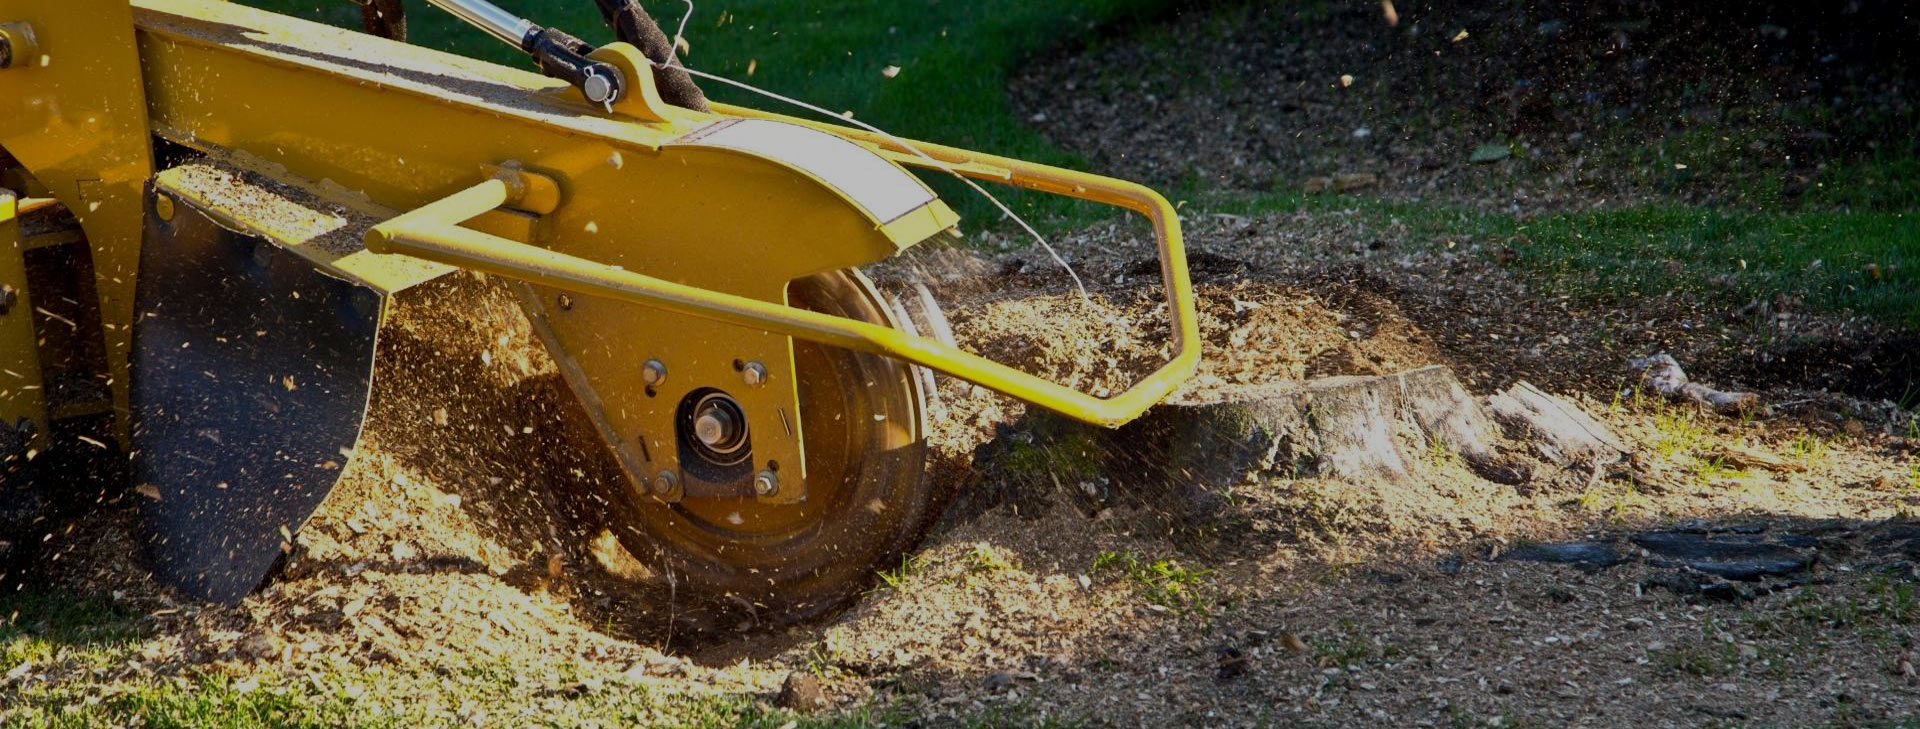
x=1662, y=373
x=1742, y=457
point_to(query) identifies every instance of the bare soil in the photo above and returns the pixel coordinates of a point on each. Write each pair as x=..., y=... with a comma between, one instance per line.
x=1579, y=104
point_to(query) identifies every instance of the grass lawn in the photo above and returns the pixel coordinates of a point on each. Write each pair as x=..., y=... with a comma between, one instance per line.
x=1867, y=262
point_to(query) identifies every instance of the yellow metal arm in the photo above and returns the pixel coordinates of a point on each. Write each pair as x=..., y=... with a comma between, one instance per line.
x=433, y=232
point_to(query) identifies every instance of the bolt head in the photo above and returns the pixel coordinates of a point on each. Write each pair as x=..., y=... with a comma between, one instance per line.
x=765, y=483
x=754, y=374
x=664, y=483
x=653, y=372
x=163, y=206
x=711, y=427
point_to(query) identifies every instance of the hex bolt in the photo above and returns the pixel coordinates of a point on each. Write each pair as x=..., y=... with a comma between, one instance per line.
x=664, y=483
x=765, y=483
x=754, y=374
x=653, y=372
x=713, y=427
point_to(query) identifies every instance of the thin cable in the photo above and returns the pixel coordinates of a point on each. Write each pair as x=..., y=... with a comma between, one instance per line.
x=680, y=36
x=673, y=58
x=948, y=168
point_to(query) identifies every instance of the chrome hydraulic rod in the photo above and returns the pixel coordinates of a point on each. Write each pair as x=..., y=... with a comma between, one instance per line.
x=493, y=19
x=560, y=55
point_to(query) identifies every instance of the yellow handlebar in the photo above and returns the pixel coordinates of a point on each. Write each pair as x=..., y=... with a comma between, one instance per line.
x=433, y=232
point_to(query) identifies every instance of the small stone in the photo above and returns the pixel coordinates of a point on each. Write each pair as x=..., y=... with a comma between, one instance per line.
x=801, y=692
x=260, y=647
x=1490, y=152
x=1230, y=662
x=997, y=681
x=578, y=689
x=1293, y=642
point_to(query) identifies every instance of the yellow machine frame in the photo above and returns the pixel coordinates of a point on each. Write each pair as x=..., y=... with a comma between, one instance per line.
x=611, y=206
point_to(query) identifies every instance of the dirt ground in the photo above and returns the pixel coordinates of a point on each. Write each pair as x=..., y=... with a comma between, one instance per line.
x=449, y=541
x=457, y=540
x=1519, y=107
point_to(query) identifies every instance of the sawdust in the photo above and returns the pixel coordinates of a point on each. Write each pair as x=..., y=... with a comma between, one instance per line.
x=455, y=538
x=280, y=211
x=1255, y=329
x=464, y=531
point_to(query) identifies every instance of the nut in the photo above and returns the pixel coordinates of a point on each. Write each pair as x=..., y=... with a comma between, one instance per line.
x=765, y=483
x=653, y=372
x=754, y=374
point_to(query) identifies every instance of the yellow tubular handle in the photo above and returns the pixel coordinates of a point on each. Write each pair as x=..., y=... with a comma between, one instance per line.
x=433, y=232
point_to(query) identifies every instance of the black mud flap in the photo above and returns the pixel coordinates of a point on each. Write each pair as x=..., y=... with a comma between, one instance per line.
x=250, y=377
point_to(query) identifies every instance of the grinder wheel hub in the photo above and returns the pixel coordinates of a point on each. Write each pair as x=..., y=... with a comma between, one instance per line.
x=867, y=496
x=719, y=424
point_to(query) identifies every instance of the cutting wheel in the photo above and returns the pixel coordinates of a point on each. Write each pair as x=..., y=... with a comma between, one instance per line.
x=868, y=499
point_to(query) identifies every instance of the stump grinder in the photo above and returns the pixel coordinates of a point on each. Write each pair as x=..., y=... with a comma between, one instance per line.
x=208, y=210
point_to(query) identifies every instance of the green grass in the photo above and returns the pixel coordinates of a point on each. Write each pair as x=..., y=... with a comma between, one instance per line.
x=1867, y=262
x=1811, y=450
x=39, y=628
x=1164, y=582
x=1863, y=261
x=984, y=559
x=900, y=578
x=1680, y=433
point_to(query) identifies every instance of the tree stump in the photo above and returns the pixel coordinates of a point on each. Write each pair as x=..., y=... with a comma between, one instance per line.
x=1559, y=432
x=1356, y=428
x=1197, y=462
